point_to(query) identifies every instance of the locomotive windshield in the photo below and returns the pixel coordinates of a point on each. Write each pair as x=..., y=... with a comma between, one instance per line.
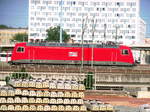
x=20, y=49
x=125, y=52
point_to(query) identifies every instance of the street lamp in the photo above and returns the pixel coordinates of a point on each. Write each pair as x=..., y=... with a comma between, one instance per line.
x=60, y=36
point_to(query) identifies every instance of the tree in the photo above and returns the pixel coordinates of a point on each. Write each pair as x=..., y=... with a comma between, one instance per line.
x=3, y=27
x=53, y=35
x=21, y=37
x=22, y=74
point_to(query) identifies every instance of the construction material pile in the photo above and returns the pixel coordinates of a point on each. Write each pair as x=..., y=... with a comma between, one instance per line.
x=47, y=95
x=95, y=105
x=42, y=95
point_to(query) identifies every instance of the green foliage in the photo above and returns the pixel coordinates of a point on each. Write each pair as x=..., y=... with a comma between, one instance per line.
x=4, y=27
x=7, y=79
x=20, y=75
x=8, y=27
x=21, y=37
x=53, y=35
x=88, y=81
x=90, y=72
x=23, y=69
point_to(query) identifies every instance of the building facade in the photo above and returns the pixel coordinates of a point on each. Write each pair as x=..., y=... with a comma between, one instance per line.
x=142, y=30
x=6, y=44
x=7, y=34
x=110, y=20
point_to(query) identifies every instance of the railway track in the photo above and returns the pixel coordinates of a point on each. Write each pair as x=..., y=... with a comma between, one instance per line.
x=139, y=69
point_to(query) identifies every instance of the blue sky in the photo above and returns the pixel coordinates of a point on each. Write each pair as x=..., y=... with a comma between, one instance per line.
x=145, y=14
x=14, y=13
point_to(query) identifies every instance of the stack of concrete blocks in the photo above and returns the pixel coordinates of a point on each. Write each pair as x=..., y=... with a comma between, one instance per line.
x=96, y=105
x=42, y=95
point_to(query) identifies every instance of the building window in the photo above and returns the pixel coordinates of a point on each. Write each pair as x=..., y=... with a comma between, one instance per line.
x=131, y=4
x=121, y=37
x=133, y=37
x=118, y=3
x=83, y=3
x=43, y=35
x=129, y=26
x=134, y=9
x=73, y=35
x=74, y=2
x=118, y=15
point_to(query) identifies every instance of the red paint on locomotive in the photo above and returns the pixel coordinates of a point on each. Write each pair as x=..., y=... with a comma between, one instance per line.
x=28, y=53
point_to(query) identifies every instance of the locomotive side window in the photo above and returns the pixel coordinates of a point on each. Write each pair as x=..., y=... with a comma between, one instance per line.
x=20, y=49
x=125, y=52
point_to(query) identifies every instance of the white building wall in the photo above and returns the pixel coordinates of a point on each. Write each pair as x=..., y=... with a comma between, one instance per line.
x=121, y=16
x=141, y=31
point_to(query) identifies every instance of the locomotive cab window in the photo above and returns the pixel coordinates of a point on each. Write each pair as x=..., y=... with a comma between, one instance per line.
x=20, y=49
x=125, y=52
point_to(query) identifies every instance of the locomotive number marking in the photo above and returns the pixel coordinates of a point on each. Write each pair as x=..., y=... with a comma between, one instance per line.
x=73, y=54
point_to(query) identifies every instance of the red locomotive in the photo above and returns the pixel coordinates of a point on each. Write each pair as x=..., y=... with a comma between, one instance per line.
x=63, y=53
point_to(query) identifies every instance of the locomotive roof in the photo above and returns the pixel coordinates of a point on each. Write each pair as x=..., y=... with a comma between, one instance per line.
x=74, y=45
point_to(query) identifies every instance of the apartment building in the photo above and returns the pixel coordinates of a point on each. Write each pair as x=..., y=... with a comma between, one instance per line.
x=110, y=20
